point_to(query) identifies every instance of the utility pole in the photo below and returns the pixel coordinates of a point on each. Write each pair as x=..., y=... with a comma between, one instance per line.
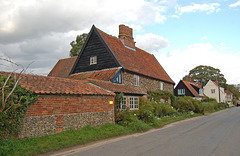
x=219, y=89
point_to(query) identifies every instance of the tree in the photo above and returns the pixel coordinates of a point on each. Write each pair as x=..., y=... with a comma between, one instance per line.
x=233, y=90
x=78, y=44
x=14, y=101
x=203, y=74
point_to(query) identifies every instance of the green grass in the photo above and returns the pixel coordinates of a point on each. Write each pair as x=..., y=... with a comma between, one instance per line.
x=70, y=138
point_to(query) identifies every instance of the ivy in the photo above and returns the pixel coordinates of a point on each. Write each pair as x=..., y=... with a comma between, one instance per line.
x=14, y=109
x=158, y=95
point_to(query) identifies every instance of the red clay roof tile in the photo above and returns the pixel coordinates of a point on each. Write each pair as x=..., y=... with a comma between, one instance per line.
x=63, y=67
x=117, y=88
x=191, y=89
x=56, y=85
x=138, y=61
x=100, y=75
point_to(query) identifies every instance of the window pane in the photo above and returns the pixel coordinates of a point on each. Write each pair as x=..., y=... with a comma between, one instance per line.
x=136, y=80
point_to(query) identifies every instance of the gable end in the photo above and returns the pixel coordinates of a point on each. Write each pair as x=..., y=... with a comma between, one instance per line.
x=95, y=47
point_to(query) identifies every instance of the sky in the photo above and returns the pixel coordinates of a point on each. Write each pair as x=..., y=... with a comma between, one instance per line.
x=181, y=34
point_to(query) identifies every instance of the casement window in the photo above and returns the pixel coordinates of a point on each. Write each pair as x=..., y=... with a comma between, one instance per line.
x=118, y=78
x=93, y=60
x=201, y=92
x=133, y=103
x=136, y=80
x=213, y=91
x=161, y=85
x=122, y=105
x=181, y=91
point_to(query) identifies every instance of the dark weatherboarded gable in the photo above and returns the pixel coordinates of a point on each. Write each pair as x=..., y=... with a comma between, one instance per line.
x=94, y=46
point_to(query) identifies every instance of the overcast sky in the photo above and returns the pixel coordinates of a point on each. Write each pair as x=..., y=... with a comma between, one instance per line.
x=182, y=34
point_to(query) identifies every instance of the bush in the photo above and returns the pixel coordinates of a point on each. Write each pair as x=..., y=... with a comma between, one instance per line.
x=184, y=104
x=188, y=103
x=132, y=122
x=16, y=106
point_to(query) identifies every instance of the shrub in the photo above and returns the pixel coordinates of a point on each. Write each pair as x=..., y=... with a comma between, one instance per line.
x=184, y=104
x=15, y=108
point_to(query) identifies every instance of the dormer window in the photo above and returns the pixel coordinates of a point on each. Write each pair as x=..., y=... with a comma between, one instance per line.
x=117, y=78
x=93, y=60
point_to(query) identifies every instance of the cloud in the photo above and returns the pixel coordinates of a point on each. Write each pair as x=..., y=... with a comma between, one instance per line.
x=234, y=4
x=208, y=8
x=151, y=42
x=180, y=62
x=40, y=31
x=39, y=18
x=204, y=38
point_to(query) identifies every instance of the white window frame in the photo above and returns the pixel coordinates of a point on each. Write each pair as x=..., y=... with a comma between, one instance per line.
x=123, y=104
x=161, y=85
x=93, y=60
x=133, y=103
x=181, y=91
x=136, y=80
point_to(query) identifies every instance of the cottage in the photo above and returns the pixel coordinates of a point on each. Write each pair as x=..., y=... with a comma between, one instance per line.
x=228, y=97
x=187, y=88
x=213, y=90
x=117, y=65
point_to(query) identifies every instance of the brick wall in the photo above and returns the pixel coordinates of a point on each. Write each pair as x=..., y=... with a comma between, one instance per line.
x=51, y=114
x=146, y=83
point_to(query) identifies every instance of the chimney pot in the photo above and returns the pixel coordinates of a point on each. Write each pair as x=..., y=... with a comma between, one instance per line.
x=126, y=36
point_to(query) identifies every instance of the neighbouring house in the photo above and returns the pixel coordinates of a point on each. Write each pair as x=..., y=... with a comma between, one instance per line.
x=187, y=88
x=117, y=65
x=229, y=97
x=64, y=104
x=213, y=90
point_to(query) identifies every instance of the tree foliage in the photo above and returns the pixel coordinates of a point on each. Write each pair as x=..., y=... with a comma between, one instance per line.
x=233, y=90
x=203, y=74
x=78, y=44
x=14, y=103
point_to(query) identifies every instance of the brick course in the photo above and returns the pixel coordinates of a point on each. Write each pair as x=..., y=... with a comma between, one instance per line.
x=52, y=114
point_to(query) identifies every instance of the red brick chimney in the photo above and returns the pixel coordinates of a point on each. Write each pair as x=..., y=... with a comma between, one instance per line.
x=126, y=36
x=189, y=78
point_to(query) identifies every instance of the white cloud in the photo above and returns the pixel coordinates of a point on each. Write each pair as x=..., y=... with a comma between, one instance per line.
x=234, y=4
x=204, y=38
x=180, y=62
x=31, y=18
x=42, y=30
x=151, y=42
x=208, y=8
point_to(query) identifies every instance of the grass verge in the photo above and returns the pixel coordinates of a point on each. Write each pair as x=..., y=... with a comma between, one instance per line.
x=70, y=138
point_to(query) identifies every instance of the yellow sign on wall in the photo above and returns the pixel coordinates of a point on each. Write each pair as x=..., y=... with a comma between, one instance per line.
x=110, y=102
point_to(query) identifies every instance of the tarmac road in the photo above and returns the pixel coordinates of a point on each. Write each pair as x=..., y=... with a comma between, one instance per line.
x=216, y=134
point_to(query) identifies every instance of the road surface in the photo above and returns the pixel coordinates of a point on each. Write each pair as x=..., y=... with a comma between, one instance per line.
x=216, y=134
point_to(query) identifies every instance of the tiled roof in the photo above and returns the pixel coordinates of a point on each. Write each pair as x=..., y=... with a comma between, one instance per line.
x=228, y=92
x=191, y=89
x=138, y=61
x=117, y=88
x=215, y=83
x=63, y=67
x=56, y=85
x=100, y=75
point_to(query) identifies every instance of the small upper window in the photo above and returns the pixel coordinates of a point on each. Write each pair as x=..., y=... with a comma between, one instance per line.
x=93, y=60
x=161, y=85
x=181, y=91
x=136, y=80
x=213, y=91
